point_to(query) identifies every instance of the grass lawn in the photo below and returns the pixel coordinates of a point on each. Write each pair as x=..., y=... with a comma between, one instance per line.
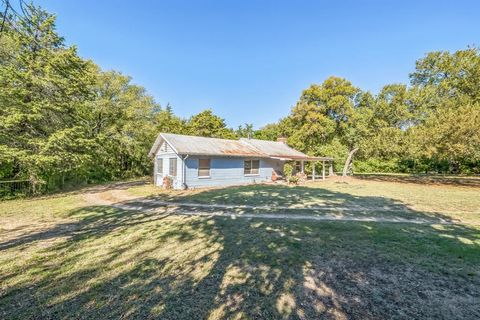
x=62, y=258
x=379, y=198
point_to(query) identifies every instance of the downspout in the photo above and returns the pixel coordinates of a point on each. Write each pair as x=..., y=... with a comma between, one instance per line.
x=184, y=172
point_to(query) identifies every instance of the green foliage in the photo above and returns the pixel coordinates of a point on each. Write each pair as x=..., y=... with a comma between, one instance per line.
x=269, y=132
x=206, y=124
x=293, y=179
x=288, y=170
x=431, y=126
x=63, y=120
x=374, y=165
x=245, y=131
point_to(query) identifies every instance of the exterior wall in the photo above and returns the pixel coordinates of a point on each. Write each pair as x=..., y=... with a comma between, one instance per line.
x=226, y=171
x=164, y=153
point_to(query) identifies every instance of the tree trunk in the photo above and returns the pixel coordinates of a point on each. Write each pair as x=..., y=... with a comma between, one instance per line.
x=330, y=169
x=348, y=162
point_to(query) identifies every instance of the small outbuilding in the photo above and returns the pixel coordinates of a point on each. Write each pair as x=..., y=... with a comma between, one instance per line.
x=195, y=162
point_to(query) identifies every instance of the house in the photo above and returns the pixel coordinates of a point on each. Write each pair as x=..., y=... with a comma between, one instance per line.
x=195, y=162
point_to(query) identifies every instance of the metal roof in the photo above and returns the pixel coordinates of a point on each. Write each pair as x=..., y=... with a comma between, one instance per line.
x=193, y=145
x=274, y=148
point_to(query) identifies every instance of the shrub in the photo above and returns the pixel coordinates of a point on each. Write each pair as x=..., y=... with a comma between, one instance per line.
x=293, y=179
x=288, y=170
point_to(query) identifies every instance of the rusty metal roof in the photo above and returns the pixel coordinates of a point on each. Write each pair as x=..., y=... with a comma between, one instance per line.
x=274, y=148
x=193, y=145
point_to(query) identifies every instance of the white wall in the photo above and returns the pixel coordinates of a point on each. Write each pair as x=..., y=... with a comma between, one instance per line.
x=164, y=153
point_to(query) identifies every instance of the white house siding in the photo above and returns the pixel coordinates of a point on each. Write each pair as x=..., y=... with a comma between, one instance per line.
x=164, y=153
x=226, y=171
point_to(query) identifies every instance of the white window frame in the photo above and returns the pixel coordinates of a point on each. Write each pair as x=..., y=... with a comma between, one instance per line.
x=251, y=161
x=201, y=168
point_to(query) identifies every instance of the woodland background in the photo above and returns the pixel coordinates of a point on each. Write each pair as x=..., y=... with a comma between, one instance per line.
x=64, y=120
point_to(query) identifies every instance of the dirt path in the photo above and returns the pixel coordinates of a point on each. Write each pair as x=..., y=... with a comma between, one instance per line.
x=121, y=199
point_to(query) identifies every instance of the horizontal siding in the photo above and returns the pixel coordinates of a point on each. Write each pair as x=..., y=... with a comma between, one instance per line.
x=226, y=171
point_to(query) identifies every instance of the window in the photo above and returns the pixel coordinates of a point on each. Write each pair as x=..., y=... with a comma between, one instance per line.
x=251, y=166
x=160, y=166
x=298, y=166
x=204, y=167
x=173, y=167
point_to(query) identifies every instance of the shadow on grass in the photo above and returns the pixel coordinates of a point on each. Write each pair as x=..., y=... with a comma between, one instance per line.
x=113, y=264
x=318, y=202
x=473, y=181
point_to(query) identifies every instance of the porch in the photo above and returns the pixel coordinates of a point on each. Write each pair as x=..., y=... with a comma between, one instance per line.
x=299, y=166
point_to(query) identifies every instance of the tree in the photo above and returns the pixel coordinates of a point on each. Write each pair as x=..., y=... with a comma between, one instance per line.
x=61, y=116
x=452, y=75
x=245, y=131
x=206, y=124
x=270, y=131
x=325, y=112
x=167, y=121
x=43, y=84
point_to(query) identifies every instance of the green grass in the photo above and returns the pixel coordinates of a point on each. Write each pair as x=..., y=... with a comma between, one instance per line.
x=405, y=200
x=60, y=258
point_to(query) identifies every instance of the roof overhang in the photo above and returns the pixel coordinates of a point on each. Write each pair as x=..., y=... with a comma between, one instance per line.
x=157, y=143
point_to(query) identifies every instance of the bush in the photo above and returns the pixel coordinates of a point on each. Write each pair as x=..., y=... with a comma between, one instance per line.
x=288, y=170
x=376, y=165
x=293, y=179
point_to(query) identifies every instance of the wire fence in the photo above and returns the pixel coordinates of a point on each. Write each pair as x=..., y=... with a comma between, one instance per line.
x=15, y=188
x=10, y=189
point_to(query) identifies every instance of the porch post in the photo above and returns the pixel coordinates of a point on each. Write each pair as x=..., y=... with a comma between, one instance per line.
x=323, y=170
x=313, y=171
x=302, y=165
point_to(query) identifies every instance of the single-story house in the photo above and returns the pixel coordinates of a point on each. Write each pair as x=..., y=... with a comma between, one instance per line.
x=195, y=162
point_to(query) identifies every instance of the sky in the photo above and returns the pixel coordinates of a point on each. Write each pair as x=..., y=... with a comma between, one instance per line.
x=250, y=60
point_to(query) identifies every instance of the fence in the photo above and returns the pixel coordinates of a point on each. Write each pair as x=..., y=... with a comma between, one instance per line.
x=15, y=188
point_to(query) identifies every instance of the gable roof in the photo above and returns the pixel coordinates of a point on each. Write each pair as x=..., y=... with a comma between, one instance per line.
x=193, y=145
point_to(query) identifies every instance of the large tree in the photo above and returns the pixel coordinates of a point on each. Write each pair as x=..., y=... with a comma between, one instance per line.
x=328, y=113
x=62, y=116
x=207, y=124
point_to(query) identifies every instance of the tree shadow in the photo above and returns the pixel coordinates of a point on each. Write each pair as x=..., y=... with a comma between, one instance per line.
x=111, y=263
x=283, y=199
x=466, y=181
x=92, y=188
